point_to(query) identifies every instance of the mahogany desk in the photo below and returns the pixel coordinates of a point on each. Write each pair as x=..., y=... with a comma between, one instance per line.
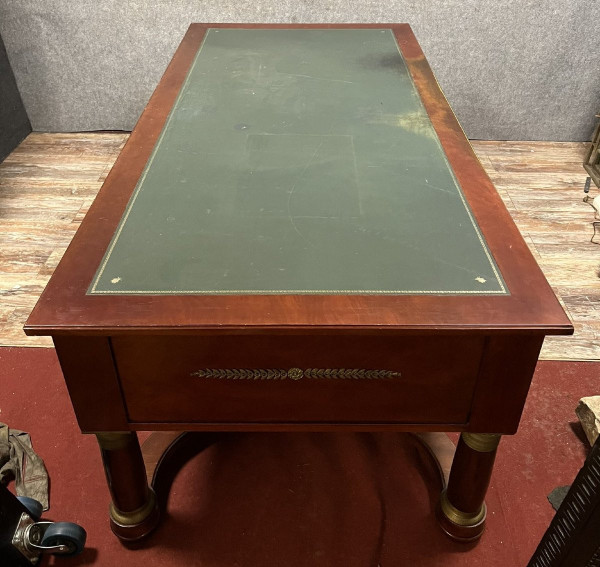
x=298, y=236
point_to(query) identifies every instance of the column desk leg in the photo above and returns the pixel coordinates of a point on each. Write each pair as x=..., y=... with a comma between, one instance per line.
x=133, y=510
x=461, y=511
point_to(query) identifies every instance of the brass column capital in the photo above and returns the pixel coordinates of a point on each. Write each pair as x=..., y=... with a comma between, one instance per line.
x=482, y=442
x=113, y=440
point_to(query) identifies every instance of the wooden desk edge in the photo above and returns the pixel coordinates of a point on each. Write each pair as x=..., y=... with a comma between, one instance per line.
x=45, y=330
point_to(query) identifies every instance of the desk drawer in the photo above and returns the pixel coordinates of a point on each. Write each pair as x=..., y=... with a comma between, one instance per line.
x=295, y=379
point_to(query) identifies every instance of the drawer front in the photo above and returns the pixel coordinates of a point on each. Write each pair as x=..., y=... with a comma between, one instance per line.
x=298, y=379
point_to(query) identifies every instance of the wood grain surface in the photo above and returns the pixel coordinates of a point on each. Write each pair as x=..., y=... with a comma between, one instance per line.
x=48, y=183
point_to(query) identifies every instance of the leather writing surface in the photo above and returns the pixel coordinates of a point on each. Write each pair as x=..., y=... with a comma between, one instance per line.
x=298, y=161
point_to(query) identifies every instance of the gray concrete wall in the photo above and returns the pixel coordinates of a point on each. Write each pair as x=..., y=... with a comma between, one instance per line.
x=511, y=69
x=14, y=124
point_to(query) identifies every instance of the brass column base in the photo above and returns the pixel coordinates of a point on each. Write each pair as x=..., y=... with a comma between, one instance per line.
x=134, y=525
x=460, y=526
x=461, y=510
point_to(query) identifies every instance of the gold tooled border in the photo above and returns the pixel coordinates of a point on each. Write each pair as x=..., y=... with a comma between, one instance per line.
x=298, y=291
x=93, y=288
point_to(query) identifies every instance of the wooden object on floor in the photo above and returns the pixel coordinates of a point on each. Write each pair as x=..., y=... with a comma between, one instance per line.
x=588, y=412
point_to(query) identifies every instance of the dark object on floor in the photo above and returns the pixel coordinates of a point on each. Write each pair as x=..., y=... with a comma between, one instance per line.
x=573, y=537
x=20, y=462
x=24, y=538
x=557, y=496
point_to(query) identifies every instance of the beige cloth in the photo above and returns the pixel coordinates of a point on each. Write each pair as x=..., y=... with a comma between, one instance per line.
x=18, y=460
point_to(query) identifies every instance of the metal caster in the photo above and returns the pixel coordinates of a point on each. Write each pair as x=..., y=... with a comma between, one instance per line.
x=24, y=538
x=33, y=538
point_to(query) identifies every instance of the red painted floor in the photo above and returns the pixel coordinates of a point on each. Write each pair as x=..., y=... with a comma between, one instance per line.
x=294, y=500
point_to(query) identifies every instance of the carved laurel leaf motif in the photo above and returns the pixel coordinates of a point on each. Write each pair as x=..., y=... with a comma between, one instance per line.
x=295, y=373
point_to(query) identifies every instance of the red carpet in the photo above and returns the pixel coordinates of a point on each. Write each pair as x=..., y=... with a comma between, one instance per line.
x=255, y=500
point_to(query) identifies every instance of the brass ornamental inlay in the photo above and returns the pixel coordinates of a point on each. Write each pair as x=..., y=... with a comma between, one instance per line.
x=295, y=373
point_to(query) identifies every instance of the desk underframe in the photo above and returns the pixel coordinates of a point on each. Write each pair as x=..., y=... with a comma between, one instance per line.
x=102, y=406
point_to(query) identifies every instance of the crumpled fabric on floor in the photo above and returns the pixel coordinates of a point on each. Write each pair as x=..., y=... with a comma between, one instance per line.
x=18, y=460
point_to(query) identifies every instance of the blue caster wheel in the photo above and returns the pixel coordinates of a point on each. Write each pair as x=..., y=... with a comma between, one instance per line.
x=68, y=538
x=34, y=508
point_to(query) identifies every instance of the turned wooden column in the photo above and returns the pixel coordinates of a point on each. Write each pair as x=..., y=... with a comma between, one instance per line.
x=133, y=510
x=461, y=511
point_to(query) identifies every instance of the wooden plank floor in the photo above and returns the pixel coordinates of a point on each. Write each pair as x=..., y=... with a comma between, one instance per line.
x=48, y=183
x=541, y=184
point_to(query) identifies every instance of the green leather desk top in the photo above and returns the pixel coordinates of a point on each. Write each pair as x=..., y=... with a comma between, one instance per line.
x=298, y=161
